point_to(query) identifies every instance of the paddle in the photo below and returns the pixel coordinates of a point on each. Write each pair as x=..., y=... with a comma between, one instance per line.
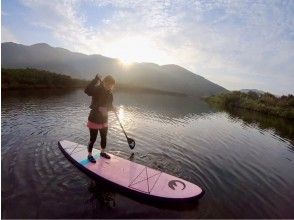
x=131, y=141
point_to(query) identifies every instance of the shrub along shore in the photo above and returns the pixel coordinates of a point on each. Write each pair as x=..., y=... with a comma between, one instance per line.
x=265, y=103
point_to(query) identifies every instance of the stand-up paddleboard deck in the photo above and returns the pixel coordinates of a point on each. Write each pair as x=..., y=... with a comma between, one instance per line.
x=130, y=175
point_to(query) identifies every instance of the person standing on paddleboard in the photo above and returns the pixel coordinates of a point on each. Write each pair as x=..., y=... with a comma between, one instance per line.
x=102, y=99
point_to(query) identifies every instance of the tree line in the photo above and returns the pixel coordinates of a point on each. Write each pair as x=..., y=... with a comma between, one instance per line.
x=265, y=103
x=34, y=78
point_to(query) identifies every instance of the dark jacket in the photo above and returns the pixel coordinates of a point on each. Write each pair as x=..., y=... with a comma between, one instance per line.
x=100, y=98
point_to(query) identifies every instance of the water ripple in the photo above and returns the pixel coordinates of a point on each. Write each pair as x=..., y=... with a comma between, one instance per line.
x=244, y=169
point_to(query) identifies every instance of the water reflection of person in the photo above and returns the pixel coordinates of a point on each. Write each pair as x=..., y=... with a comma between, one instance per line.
x=101, y=194
x=102, y=99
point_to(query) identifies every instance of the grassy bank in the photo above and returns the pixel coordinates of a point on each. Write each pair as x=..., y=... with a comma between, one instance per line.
x=265, y=103
x=33, y=78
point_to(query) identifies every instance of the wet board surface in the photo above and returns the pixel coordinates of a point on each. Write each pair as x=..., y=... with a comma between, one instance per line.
x=132, y=176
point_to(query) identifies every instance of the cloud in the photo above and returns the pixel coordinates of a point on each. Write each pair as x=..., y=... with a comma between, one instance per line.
x=61, y=18
x=4, y=13
x=69, y=26
x=213, y=38
x=7, y=35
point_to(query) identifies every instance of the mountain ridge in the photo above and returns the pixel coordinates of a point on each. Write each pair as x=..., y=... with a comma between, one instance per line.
x=168, y=77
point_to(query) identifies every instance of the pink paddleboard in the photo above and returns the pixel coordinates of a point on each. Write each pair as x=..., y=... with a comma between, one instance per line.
x=130, y=175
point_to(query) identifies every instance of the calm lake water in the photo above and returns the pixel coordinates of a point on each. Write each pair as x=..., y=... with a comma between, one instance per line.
x=244, y=161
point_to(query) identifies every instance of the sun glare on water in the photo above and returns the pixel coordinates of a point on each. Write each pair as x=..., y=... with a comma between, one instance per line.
x=121, y=113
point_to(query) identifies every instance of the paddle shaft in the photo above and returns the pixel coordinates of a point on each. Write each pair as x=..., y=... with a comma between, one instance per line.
x=121, y=124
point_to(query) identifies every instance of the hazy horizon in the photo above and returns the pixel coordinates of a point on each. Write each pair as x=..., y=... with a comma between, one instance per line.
x=235, y=44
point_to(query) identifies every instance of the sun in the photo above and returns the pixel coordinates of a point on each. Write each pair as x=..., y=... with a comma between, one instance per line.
x=126, y=61
x=131, y=49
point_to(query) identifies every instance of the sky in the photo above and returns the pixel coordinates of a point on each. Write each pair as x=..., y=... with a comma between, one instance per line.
x=238, y=44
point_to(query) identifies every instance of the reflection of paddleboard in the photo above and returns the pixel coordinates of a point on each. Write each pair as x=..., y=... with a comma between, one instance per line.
x=129, y=175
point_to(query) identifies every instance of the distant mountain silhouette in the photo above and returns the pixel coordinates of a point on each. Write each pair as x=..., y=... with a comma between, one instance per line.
x=170, y=78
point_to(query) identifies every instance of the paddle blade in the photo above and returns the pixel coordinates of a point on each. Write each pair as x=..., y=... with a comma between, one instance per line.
x=131, y=143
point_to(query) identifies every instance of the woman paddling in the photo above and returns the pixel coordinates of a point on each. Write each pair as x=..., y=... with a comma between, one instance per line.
x=102, y=99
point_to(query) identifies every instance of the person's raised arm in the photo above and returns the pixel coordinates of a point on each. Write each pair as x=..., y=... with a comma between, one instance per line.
x=89, y=90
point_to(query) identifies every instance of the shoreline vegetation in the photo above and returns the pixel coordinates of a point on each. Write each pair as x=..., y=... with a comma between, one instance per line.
x=37, y=79
x=264, y=103
x=29, y=78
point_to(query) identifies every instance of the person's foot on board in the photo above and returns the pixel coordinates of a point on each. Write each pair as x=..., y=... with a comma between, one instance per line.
x=91, y=159
x=105, y=155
